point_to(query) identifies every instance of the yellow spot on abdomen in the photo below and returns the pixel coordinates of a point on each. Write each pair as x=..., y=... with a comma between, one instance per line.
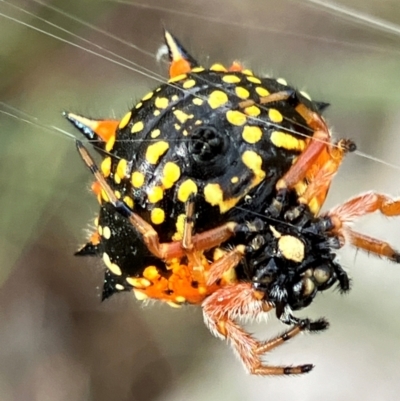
x=252, y=111
x=161, y=102
x=254, y=162
x=254, y=80
x=275, y=116
x=122, y=168
x=137, y=127
x=186, y=189
x=217, y=99
x=231, y=79
x=262, y=91
x=252, y=134
x=125, y=120
x=218, y=67
x=129, y=201
x=189, y=84
x=182, y=116
x=241, y=92
x=236, y=117
x=105, y=166
x=157, y=216
x=155, y=194
x=197, y=101
x=213, y=194
x=287, y=141
x=180, y=224
x=110, y=143
x=148, y=96
x=155, y=151
x=137, y=179
x=155, y=133
x=177, y=78
x=172, y=172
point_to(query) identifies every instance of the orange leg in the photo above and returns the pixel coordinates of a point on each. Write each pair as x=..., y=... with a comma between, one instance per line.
x=229, y=303
x=361, y=205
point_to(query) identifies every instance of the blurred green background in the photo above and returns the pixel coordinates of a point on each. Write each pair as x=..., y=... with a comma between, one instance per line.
x=58, y=342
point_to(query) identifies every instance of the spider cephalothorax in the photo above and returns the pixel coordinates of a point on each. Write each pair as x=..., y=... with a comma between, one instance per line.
x=210, y=191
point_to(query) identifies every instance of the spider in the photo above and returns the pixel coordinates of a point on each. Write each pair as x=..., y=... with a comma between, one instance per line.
x=210, y=190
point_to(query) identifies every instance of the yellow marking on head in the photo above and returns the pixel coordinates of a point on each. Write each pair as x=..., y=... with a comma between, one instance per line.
x=254, y=80
x=119, y=287
x=180, y=299
x=171, y=174
x=306, y=95
x=282, y=81
x=186, y=189
x=155, y=133
x=139, y=105
x=236, y=117
x=155, y=151
x=161, y=102
x=217, y=99
x=262, y=91
x=96, y=221
x=129, y=201
x=275, y=116
x=157, y=216
x=189, y=84
x=137, y=127
x=182, y=116
x=252, y=134
x=148, y=96
x=241, y=92
x=100, y=230
x=231, y=79
x=105, y=167
x=197, y=69
x=106, y=232
x=104, y=195
x=137, y=179
x=156, y=113
x=254, y=162
x=180, y=224
x=110, y=143
x=197, y=101
x=235, y=179
x=177, y=78
x=291, y=248
x=218, y=67
x=140, y=283
x=140, y=296
x=111, y=266
x=155, y=194
x=158, y=89
x=246, y=71
x=287, y=141
x=151, y=273
x=125, y=120
x=252, y=111
x=122, y=168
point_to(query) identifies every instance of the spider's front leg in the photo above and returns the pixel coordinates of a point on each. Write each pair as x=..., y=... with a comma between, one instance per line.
x=223, y=307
